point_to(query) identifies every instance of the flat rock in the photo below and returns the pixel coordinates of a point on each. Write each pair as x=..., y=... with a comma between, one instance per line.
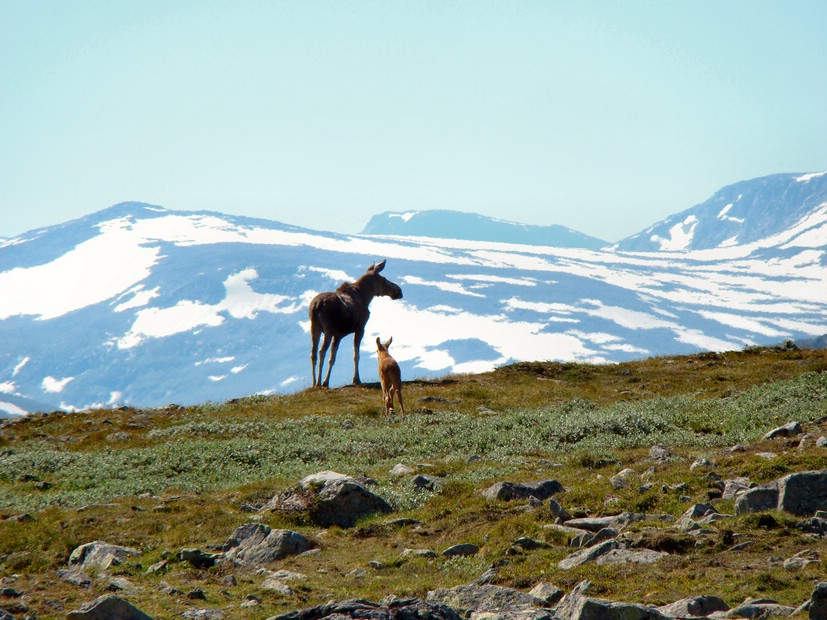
x=485, y=598
x=630, y=556
x=760, y=610
x=615, y=522
x=589, y=554
x=697, y=606
x=395, y=609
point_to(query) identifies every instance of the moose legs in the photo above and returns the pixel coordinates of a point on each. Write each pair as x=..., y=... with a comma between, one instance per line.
x=326, y=342
x=357, y=342
x=331, y=342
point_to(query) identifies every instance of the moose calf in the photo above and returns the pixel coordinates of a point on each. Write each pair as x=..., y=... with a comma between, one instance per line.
x=389, y=376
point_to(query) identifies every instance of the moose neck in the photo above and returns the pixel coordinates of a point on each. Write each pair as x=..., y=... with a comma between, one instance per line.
x=365, y=289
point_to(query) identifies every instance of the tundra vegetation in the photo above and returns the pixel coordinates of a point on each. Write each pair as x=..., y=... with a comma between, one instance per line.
x=163, y=480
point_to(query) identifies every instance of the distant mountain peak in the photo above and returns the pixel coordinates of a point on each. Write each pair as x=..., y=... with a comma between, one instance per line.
x=448, y=224
x=738, y=214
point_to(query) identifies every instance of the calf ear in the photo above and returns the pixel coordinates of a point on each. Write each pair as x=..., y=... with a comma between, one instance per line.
x=388, y=343
x=378, y=344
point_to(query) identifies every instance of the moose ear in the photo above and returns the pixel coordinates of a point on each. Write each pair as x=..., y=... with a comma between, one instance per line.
x=388, y=343
x=379, y=267
x=378, y=344
x=371, y=268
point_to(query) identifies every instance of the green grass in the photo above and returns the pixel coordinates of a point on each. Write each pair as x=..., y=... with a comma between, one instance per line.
x=186, y=478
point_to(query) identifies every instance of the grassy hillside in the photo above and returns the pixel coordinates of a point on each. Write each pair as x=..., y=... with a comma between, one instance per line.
x=165, y=479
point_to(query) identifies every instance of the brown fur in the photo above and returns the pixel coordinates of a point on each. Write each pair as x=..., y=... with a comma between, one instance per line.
x=389, y=376
x=342, y=312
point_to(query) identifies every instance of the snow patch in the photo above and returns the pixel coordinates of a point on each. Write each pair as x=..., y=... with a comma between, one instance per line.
x=680, y=235
x=405, y=217
x=240, y=302
x=216, y=360
x=11, y=409
x=492, y=279
x=20, y=365
x=55, y=386
x=723, y=215
x=809, y=177
x=427, y=332
x=92, y=272
x=448, y=287
x=140, y=298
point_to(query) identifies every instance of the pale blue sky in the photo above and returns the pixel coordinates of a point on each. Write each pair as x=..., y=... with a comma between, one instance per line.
x=602, y=116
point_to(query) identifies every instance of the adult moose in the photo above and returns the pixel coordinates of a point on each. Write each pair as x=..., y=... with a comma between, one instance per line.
x=345, y=311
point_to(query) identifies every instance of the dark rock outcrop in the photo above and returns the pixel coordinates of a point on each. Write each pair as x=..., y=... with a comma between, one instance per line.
x=507, y=491
x=395, y=609
x=108, y=607
x=801, y=494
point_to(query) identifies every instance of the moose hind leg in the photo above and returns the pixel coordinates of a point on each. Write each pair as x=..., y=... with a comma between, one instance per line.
x=314, y=348
x=333, y=349
x=322, y=353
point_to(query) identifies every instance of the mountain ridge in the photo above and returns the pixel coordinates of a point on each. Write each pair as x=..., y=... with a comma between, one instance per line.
x=738, y=214
x=449, y=224
x=137, y=304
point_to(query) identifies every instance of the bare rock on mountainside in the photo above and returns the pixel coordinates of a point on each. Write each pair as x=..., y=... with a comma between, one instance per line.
x=108, y=607
x=791, y=429
x=817, y=606
x=256, y=543
x=576, y=605
x=392, y=609
x=695, y=606
x=488, y=598
x=330, y=498
x=99, y=555
x=801, y=494
x=507, y=491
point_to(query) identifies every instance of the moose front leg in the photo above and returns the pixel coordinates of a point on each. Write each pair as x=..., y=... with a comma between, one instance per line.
x=357, y=342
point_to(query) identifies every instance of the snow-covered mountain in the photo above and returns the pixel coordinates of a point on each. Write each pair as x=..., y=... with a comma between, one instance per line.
x=140, y=305
x=737, y=214
x=14, y=405
x=446, y=224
